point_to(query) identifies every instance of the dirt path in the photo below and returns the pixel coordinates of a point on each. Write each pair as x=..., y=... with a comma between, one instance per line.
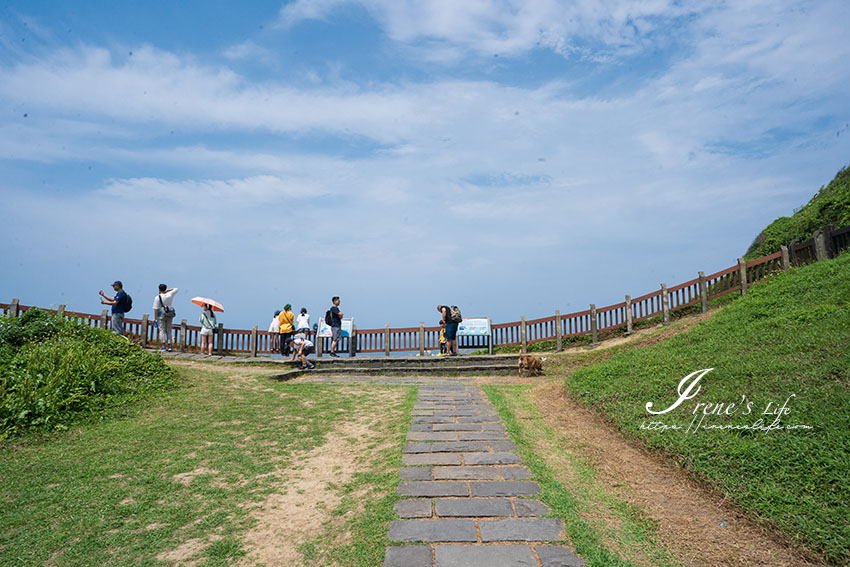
x=688, y=516
x=310, y=490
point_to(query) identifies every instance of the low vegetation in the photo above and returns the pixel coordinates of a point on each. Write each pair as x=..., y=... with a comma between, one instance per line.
x=830, y=205
x=54, y=372
x=782, y=349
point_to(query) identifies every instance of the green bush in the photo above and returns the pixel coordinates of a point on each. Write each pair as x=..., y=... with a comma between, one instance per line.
x=830, y=205
x=53, y=371
x=787, y=336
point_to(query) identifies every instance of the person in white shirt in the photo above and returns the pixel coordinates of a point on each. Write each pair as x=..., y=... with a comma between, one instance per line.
x=302, y=323
x=274, y=333
x=164, y=314
x=302, y=346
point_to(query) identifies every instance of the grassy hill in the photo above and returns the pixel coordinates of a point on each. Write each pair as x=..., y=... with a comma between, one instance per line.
x=785, y=341
x=830, y=205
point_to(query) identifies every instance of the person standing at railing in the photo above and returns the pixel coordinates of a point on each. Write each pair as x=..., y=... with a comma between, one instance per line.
x=208, y=325
x=165, y=314
x=451, y=317
x=274, y=332
x=287, y=327
x=336, y=324
x=118, y=303
x=302, y=324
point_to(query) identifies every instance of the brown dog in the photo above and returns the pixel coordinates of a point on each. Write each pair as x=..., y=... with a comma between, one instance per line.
x=530, y=366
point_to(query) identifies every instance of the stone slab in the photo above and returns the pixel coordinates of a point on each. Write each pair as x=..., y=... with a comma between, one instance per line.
x=415, y=473
x=408, y=556
x=503, y=446
x=557, y=556
x=417, y=448
x=478, y=419
x=492, y=427
x=413, y=508
x=431, y=419
x=460, y=446
x=481, y=435
x=465, y=473
x=514, y=473
x=473, y=507
x=433, y=530
x=503, y=488
x=526, y=508
x=521, y=529
x=484, y=556
x=495, y=458
x=431, y=459
x=432, y=436
x=458, y=426
x=420, y=427
x=427, y=489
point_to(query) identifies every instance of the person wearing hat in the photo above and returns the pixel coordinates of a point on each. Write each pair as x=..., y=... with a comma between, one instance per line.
x=301, y=346
x=274, y=332
x=118, y=303
x=287, y=327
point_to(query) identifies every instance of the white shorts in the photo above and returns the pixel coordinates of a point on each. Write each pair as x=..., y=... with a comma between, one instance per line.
x=206, y=332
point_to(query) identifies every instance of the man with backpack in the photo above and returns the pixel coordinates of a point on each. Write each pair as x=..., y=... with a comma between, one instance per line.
x=121, y=303
x=333, y=317
x=164, y=313
x=451, y=317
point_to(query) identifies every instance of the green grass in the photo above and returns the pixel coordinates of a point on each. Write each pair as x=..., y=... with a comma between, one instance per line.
x=789, y=335
x=830, y=205
x=106, y=493
x=55, y=372
x=600, y=544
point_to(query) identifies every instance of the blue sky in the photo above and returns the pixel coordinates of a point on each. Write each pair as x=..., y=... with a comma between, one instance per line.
x=510, y=157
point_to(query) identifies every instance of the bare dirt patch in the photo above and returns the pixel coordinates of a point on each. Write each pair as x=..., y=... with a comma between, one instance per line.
x=184, y=553
x=688, y=515
x=301, y=509
x=186, y=478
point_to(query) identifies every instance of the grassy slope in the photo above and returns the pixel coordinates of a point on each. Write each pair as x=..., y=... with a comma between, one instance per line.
x=788, y=336
x=830, y=205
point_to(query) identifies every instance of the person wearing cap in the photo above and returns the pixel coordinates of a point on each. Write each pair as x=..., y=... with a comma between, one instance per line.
x=274, y=332
x=118, y=303
x=287, y=327
x=302, y=346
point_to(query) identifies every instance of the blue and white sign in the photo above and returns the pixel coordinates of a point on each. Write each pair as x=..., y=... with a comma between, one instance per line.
x=325, y=329
x=475, y=327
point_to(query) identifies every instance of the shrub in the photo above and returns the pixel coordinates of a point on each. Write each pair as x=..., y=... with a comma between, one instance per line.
x=53, y=371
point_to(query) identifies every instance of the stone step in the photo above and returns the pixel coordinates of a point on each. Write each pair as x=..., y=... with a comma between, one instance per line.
x=390, y=369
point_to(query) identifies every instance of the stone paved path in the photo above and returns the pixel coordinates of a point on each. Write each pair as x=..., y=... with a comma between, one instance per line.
x=469, y=501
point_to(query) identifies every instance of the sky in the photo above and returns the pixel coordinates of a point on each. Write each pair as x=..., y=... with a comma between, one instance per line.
x=509, y=157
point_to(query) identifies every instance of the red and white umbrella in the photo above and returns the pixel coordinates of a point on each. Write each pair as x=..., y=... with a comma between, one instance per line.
x=202, y=301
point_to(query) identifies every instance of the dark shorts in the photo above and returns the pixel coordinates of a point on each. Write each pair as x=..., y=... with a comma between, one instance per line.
x=451, y=331
x=336, y=333
x=308, y=350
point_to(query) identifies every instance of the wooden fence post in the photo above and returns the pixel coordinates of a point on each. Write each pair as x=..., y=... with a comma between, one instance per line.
x=320, y=343
x=490, y=344
x=594, y=326
x=559, y=334
x=523, y=335
x=703, y=292
x=387, y=340
x=145, y=324
x=13, y=308
x=665, y=304
x=61, y=311
x=421, y=338
x=630, y=323
x=821, y=251
x=742, y=274
x=220, y=339
x=352, y=342
x=183, y=335
x=254, y=341
x=104, y=315
x=786, y=257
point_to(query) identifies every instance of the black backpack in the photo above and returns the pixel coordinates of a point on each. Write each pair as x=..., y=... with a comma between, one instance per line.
x=329, y=318
x=128, y=302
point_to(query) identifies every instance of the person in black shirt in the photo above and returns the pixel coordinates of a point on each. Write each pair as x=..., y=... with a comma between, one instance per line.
x=118, y=303
x=336, y=324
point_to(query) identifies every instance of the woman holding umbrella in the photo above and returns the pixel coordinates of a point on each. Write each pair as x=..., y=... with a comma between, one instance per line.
x=208, y=321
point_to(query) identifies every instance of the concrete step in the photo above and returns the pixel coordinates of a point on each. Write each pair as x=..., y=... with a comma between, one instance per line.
x=471, y=366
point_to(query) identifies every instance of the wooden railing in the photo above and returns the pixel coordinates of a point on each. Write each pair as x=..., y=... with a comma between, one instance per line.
x=660, y=303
